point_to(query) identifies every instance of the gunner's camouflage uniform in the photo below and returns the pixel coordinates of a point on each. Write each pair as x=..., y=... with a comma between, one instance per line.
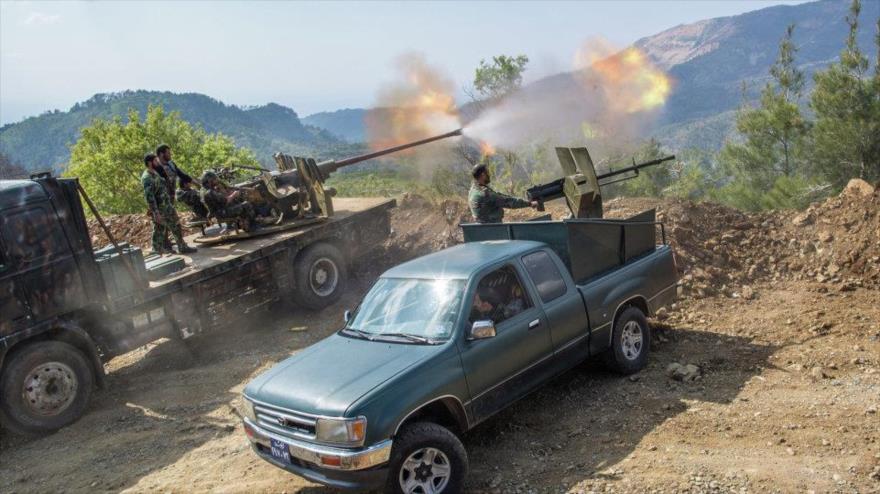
x=487, y=206
x=159, y=203
x=218, y=203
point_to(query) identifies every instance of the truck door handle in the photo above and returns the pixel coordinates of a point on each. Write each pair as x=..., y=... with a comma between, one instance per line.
x=534, y=324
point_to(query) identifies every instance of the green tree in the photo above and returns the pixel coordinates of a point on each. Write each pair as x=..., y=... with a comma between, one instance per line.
x=108, y=157
x=775, y=133
x=846, y=101
x=501, y=77
x=511, y=169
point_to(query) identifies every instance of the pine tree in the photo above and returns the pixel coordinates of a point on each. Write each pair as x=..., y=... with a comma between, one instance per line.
x=846, y=101
x=774, y=134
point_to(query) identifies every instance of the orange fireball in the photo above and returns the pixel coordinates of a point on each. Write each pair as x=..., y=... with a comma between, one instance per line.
x=628, y=79
x=420, y=106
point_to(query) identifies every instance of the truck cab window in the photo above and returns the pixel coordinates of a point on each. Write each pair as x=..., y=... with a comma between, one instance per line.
x=499, y=296
x=545, y=275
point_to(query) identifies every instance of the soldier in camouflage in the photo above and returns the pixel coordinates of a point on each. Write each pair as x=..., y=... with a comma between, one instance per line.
x=227, y=202
x=161, y=208
x=487, y=206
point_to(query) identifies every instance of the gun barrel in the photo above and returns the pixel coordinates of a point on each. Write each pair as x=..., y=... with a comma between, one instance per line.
x=546, y=192
x=248, y=167
x=635, y=167
x=328, y=167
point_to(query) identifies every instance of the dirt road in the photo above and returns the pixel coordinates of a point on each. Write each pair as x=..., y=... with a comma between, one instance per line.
x=784, y=397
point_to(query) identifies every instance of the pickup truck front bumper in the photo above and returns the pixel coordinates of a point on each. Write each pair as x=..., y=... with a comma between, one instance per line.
x=364, y=468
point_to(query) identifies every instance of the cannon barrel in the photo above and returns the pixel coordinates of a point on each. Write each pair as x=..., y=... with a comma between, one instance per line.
x=635, y=167
x=328, y=167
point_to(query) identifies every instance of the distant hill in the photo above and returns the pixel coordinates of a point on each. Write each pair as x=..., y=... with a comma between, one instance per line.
x=347, y=124
x=43, y=141
x=709, y=61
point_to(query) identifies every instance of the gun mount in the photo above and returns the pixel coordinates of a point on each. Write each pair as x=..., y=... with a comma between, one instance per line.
x=581, y=186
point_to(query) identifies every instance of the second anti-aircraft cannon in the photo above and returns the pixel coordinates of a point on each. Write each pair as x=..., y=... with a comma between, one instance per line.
x=581, y=186
x=296, y=194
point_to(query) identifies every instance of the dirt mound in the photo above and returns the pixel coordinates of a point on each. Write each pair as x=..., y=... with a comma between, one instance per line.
x=836, y=241
x=132, y=228
x=136, y=229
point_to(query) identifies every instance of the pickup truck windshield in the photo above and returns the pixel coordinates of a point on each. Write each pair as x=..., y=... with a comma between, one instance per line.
x=409, y=309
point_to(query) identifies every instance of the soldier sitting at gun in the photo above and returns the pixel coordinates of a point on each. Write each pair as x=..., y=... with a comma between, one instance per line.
x=225, y=202
x=487, y=206
x=188, y=195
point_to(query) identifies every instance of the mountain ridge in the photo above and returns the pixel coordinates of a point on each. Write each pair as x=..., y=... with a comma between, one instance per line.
x=43, y=141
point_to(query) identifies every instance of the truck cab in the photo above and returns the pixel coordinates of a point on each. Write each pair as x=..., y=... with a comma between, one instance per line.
x=47, y=275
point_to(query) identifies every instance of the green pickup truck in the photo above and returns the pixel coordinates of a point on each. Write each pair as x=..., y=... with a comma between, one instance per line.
x=441, y=343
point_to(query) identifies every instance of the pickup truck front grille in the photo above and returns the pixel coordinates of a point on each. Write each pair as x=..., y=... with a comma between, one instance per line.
x=286, y=422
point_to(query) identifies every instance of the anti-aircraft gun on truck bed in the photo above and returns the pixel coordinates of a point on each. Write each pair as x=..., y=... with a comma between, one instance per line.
x=581, y=186
x=296, y=193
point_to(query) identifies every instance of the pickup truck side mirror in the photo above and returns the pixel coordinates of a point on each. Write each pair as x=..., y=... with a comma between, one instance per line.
x=481, y=330
x=346, y=316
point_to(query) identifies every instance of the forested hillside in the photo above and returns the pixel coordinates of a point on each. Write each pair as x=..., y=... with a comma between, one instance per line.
x=711, y=60
x=43, y=142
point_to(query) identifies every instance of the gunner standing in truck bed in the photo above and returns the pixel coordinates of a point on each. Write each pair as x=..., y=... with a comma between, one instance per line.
x=487, y=206
x=161, y=208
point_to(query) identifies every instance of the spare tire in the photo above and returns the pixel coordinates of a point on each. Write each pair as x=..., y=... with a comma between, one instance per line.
x=320, y=276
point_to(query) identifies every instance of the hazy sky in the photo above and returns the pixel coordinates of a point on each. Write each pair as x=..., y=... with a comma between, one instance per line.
x=309, y=56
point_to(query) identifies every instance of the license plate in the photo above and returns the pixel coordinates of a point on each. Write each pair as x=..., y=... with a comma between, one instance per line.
x=280, y=451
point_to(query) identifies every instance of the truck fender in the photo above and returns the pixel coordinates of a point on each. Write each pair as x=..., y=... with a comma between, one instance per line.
x=68, y=332
x=447, y=409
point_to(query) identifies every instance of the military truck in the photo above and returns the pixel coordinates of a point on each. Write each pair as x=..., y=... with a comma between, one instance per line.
x=441, y=343
x=66, y=309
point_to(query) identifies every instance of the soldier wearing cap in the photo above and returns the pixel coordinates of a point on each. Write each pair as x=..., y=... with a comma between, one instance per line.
x=487, y=206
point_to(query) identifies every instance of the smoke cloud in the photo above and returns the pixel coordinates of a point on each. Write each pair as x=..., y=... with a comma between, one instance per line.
x=420, y=104
x=607, y=101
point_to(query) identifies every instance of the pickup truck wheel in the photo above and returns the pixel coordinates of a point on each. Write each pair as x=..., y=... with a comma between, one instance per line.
x=319, y=273
x=45, y=386
x=427, y=459
x=630, y=342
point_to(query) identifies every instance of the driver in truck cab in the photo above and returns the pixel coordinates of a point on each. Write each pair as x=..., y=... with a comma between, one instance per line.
x=497, y=300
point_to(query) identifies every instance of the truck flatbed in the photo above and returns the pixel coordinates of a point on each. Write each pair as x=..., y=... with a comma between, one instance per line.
x=209, y=256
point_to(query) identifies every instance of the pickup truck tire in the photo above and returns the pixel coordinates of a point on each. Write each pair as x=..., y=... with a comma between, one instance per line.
x=44, y=387
x=427, y=457
x=319, y=274
x=630, y=342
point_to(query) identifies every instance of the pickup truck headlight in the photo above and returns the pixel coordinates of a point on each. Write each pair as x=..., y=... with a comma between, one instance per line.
x=246, y=408
x=349, y=432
